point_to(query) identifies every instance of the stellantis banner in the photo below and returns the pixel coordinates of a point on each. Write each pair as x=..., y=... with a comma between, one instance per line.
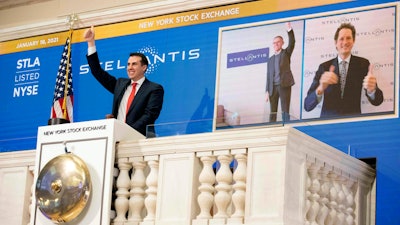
x=188, y=55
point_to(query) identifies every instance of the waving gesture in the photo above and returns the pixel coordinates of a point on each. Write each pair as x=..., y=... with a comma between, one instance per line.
x=89, y=36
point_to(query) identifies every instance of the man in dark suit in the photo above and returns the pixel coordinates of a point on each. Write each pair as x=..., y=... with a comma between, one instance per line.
x=147, y=96
x=341, y=91
x=279, y=77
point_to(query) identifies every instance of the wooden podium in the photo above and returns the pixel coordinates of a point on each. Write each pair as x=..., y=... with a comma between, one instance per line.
x=94, y=142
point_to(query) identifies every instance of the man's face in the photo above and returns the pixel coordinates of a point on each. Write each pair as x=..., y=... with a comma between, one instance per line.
x=135, y=69
x=277, y=43
x=345, y=42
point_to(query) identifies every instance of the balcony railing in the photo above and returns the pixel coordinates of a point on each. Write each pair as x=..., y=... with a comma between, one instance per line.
x=269, y=175
x=263, y=176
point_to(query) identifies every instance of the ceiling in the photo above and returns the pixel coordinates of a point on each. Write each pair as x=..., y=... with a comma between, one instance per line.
x=8, y=4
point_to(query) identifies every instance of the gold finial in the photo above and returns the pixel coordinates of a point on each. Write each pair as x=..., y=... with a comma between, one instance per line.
x=72, y=19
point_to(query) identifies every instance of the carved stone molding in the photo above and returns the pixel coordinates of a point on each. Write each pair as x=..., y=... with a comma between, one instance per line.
x=110, y=15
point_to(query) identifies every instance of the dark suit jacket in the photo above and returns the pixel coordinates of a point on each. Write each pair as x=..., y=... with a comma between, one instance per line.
x=147, y=104
x=286, y=76
x=333, y=104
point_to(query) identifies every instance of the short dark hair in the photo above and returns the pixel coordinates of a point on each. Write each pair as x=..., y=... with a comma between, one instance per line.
x=346, y=26
x=144, y=60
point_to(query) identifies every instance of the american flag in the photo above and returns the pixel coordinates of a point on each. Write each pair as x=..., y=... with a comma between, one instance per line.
x=61, y=109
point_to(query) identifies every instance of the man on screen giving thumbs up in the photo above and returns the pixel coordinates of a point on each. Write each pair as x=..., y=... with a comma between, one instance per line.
x=340, y=80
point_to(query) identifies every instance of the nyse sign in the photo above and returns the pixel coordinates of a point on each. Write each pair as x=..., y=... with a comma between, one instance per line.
x=26, y=79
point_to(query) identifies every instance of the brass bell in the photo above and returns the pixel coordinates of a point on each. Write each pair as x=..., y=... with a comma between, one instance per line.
x=63, y=188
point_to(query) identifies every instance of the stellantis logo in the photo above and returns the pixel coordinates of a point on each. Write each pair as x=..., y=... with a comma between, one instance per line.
x=152, y=67
x=250, y=57
x=155, y=58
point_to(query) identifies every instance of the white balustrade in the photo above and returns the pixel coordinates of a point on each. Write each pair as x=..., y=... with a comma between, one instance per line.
x=239, y=189
x=314, y=196
x=17, y=186
x=223, y=188
x=206, y=188
x=323, y=195
x=137, y=192
x=348, y=190
x=123, y=185
x=332, y=205
x=280, y=176
x=330, y=197
x=151, y=199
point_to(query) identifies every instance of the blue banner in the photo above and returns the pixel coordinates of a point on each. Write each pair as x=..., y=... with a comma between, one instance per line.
x=186, y=60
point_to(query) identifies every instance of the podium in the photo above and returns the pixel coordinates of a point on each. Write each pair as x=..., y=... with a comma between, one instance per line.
x=94, y=142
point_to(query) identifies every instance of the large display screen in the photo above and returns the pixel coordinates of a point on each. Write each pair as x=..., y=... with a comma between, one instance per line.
x=245, y=49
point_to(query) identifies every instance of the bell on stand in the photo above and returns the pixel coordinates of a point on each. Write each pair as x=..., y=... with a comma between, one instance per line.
x=63, y=188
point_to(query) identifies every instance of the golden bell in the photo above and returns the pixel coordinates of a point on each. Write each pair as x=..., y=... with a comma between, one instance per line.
x=63, y=188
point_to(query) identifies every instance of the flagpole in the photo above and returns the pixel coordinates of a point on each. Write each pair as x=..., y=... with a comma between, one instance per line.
x=64, y=107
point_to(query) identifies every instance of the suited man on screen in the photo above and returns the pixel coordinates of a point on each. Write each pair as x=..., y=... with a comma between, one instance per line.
x=147, y=96
x=279, y=76
x=339, y=81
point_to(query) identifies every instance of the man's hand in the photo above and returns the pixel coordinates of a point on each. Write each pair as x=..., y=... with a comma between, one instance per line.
x=109, y=116
x=266, y=96
x=89, y=36
x=369, y=82
x=288, y=26
x=327, y=78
